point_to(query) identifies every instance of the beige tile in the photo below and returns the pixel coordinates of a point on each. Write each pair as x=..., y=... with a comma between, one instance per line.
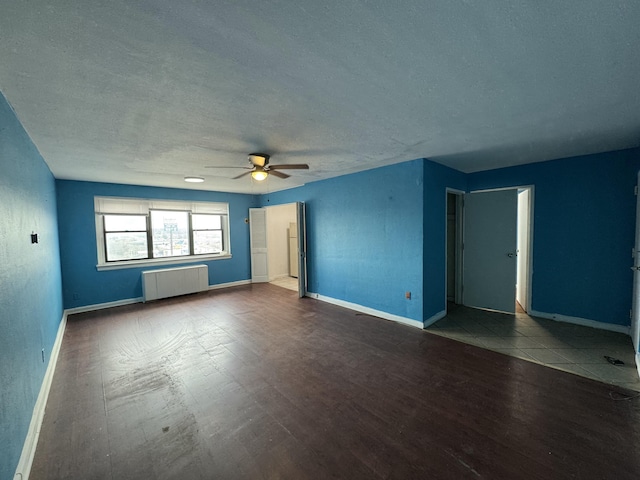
x=452, y=331
x=479, y=330
x=504, y=330
x=535, y=331
x=581, y=355
x=586, y=342
x=497, y=342
x=545, y=356
x=471, y=341
x=575, y=369
x=612, y=373
x=526, y=342
x=523, y=355
x=553, y=342
x=571, y=348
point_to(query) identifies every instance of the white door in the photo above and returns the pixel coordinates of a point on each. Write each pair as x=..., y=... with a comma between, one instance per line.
x=490, y=243
x=635, y=308
x=258, y=240
x=522, y=282
x=302, y=249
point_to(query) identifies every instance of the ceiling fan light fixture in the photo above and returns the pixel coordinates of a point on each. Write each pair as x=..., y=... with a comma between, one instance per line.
x=194, y=179
x=259, y=174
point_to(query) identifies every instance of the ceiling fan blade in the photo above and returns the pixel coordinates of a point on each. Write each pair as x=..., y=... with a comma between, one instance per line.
x=293, y=166
x=216, y=166
x=278, y=174
x=241, y=175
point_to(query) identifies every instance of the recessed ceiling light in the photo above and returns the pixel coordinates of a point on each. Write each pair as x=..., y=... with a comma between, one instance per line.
x=194, y=179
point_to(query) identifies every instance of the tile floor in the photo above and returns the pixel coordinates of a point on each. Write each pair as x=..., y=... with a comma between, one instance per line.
x=290, y=283
x=564, y=346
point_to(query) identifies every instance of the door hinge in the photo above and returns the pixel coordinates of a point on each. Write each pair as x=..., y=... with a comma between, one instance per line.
x=633, y=252
x=635, y=190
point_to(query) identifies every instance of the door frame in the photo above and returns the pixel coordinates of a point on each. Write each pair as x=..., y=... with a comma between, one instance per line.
x=302, y=244
x=531, y=189
x=458, y=244
x=301, y=218
x=634, y=329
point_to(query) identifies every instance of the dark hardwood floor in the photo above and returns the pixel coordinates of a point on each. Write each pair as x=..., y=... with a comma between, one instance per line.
x=252, y=382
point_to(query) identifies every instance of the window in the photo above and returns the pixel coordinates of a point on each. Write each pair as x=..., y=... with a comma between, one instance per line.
x=125, y=237
x=170, y=233
x=207, y=233
x=131, y=232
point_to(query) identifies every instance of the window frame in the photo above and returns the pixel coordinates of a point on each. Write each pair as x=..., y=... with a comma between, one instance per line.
x=142, y=207
x=194, y=230
x=147, y=231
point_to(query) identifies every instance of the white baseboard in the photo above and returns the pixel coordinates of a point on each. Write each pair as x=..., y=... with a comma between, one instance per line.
x=367, y=310
x=229, y=284
x=431, y=320
x=582, y=321
x=638, y=363
x=31, y=441
x=100, y=306
x=131, y=301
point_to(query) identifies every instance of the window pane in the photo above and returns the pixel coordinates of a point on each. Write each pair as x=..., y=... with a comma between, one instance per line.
x=207, y=241
x=125, y=223
x=170, y=233
x=126, y=246
x=205, y=222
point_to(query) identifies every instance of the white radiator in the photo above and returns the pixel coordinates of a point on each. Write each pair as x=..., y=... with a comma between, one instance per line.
x=170, y=282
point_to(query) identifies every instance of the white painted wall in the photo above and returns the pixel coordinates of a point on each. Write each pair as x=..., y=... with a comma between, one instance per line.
x=278, y=219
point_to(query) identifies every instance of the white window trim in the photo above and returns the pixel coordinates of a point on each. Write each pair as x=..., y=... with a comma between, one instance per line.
x=141, y=206
x=160, y=261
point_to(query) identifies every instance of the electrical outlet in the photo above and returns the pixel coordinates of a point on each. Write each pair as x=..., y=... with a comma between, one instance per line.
x=407, y=295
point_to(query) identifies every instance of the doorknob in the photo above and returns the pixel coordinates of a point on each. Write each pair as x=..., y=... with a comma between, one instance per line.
x=510, y=255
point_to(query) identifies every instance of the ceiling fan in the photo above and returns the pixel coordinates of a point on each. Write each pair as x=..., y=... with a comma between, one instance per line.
x=260, y=168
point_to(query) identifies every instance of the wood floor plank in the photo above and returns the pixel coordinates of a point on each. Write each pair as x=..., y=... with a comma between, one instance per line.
x=251, y=382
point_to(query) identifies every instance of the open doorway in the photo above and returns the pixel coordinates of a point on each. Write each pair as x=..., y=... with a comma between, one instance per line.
x=489, y=249
x=278, y=246
x=522, y=253
x=454, y=247
x=282, y=238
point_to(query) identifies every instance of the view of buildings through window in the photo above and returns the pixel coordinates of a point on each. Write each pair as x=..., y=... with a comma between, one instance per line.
x=172, y=234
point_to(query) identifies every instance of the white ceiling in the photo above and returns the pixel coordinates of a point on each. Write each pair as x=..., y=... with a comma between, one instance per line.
x=146, y=92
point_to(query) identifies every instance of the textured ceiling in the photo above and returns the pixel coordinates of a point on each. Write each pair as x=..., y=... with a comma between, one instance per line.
x=146, y=92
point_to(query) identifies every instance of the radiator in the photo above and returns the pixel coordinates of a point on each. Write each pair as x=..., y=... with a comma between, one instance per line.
x=170, y=282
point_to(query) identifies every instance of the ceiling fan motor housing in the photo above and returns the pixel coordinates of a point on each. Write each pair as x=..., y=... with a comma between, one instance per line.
x=259, y=159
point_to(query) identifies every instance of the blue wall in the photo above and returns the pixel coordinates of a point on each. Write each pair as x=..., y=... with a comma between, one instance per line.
x=84, y=285
x=437, y=179
x=584, y=229
x=30, y=285
x=371, y=237
x=364, y=237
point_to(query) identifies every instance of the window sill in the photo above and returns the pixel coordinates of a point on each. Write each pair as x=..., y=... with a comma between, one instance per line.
x=160, y=261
